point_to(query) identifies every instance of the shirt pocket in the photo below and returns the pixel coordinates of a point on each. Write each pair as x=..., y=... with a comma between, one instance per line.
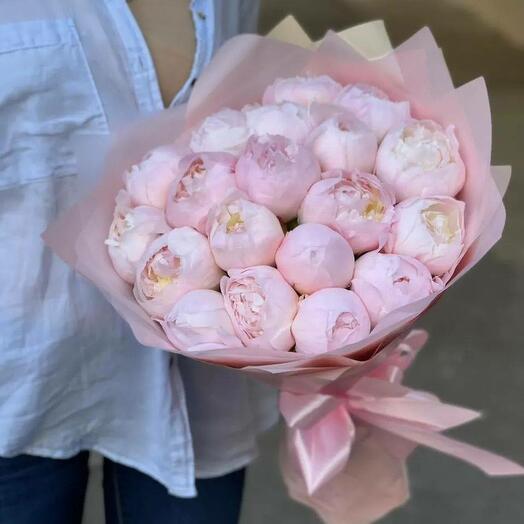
x=47, y=95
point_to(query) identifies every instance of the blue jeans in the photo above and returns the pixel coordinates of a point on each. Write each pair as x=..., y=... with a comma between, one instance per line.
x=35, y=490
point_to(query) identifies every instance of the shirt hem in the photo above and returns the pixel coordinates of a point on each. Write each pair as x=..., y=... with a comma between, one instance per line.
x=179, y=490
x=219, y=470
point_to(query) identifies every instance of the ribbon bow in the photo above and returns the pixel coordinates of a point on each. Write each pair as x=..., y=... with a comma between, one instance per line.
x=322, y=428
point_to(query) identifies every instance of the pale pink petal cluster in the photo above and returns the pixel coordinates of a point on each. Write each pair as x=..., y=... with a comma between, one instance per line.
x=344, y=142
x=199, y=322
x=175, y=263
x=386, y=282
x=131, y=231
x=224, y=131
x=355, y=204
x=350, y=197
x=243, y=234
x=329, y=319
x=206, y=179
x=277, y=173
x=313, y=256
x=261, y=305
x=148, y=181
x=429, y=229
x=302, y=90
x=421, y=158
x=373, y=107
x=287, y=119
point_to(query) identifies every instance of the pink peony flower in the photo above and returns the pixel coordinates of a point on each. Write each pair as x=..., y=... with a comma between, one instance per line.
x=286, y=119
x=302, y=90
x=430, y=230
x=172, y=265
x=242, y=234
x=354, y=204
x=275, y=172
x=206, y=180
x=224, y=131
x=261, y=305
x=313, y=256
x=148, y=181
x=420, y=158
x=131, y=231
x=329, y=319
x=388, y=282
x=199, y=322
x=373, y=107
x=344, y=142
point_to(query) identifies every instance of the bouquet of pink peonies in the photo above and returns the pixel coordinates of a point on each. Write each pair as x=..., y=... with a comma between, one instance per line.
x=293, y=221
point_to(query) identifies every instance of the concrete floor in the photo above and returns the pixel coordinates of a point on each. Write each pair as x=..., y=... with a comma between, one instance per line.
x=475, y=356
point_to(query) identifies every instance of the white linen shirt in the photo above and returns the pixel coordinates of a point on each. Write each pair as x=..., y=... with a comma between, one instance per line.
x=72, y=376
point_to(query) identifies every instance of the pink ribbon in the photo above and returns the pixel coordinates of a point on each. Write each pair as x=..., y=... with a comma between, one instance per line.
x=322, y=427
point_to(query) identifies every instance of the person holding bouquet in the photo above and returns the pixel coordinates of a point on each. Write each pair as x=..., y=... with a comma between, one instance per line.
x=72, y=376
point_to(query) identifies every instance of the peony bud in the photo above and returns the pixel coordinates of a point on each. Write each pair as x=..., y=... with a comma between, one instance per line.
x=429, y=229
x=206, y=180
x=420, y=158
x=199, y=322
x=313, y=256
x=355, y=204
x=172, y=265
x=286, y=119
x=373, y=107
x=261, y=305
x=388, y=282
x=148, y=181
x=224, y=131
x=275, y=172
x=131, y=231
x=242, y=234
x=344, y=142
x=329, y=319
x=303, y=90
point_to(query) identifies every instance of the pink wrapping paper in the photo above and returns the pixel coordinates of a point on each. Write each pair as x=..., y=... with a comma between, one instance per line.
x=345, y=455
x=365, y=477
x=373, y=483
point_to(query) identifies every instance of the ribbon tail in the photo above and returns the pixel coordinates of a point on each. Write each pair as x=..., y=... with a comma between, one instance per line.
x=393, y=401
x=302, y=411
x=490, y=463
x=323, y=449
